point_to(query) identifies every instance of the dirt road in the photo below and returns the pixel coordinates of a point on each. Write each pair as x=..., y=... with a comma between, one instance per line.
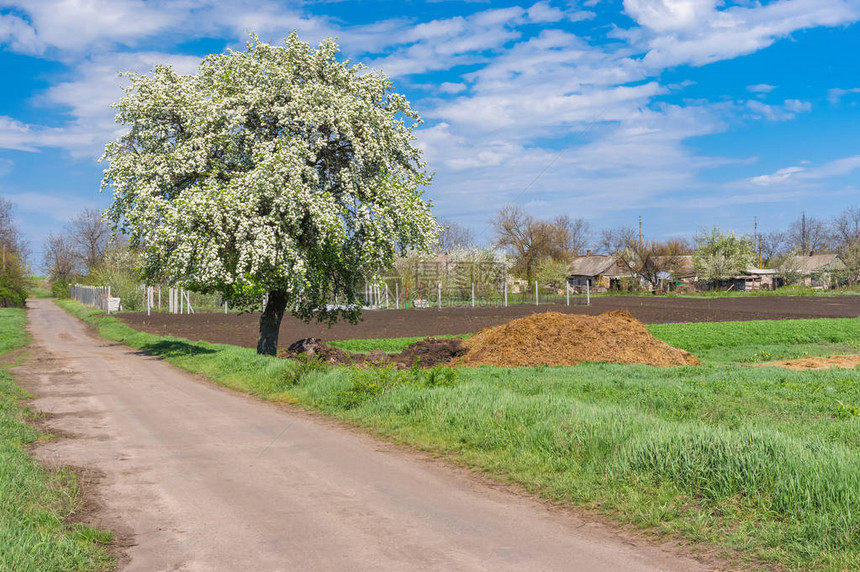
x=199, y=478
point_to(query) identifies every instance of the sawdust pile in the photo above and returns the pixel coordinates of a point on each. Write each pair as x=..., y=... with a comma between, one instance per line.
x=814, y=362
x=553, y=338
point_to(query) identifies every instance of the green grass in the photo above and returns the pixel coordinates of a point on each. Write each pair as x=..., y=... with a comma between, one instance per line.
x=784, y=291
x=38, y=287
x=715, y=342
x=388, y=345
x=762, y=463
x=36, y=504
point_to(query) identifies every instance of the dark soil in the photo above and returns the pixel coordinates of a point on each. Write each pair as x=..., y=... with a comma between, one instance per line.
x=243, y=329
x=425, y=353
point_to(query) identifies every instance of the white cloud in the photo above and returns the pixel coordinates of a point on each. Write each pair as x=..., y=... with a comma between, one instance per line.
x=585, y=114
x=6, y=166
x=788, y=110
x=443, y=44
x=778, y=177
x=15, y=135
x=761, y=88
x=635, y=161
x=670, y=15
x=542, y=12
x=451, y=87
x=796, y=106
x=70, y=25
x=49, y=208
x=835, y=95
x=799, y=175
x=835, y=168
x=19, y=35
x=697, y=32
x=87, y=100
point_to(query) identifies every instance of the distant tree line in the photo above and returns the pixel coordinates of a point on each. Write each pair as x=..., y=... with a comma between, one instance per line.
x=543, y=248
x=86, y=251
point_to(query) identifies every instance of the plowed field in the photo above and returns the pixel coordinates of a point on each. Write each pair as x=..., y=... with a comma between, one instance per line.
x=243, y=329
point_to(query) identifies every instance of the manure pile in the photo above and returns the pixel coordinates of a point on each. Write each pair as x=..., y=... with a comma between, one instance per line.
x=553, y=338
x=816, y=362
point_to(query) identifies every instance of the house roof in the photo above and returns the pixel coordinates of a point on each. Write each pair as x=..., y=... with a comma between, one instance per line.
x=816, y=262
x=591, y=265
x=753, y=271
x=598, y=265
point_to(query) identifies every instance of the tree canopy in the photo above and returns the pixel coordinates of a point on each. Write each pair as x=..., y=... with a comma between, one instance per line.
x=650, y=260
x=531, y=240
x=276, y=171
x=720, y=256
x=13, y=267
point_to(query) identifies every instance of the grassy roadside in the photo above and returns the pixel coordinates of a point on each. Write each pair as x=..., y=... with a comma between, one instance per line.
x=36, y=502
x=762, y=462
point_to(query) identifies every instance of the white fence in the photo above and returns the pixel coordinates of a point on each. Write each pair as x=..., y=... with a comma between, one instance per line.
x=98, y=296
x=178, y=300
x=392, y=294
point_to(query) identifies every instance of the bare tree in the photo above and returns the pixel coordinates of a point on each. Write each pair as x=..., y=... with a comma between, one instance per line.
x=809, y=235
x=528, y=239
x=846, y=237
x=572, y=235
x=89, y=236
x=61, y=260
x=846, y=226
x=454, y=236
x=650, y=260
x=774, y=245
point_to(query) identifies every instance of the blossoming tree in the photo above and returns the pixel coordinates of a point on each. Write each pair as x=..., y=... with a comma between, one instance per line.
x=275, y=173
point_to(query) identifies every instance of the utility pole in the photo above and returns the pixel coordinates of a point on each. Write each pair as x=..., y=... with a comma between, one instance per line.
x=640, y=230
x=757, y=239
x=803, y=240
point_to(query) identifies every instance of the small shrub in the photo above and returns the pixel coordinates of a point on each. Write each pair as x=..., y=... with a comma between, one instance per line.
x=441, y=376
x=374, y=381
x=761, y=355
x=846, y=410
x=303, y=365
x=60, y=289
x=13, y=284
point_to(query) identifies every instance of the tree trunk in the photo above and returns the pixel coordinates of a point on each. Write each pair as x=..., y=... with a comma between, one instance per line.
x=270, y=323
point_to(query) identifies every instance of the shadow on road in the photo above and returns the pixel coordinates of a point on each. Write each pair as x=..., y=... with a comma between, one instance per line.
x=173, y=348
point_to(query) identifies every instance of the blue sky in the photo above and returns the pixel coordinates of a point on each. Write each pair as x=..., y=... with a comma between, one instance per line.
x=690, y=113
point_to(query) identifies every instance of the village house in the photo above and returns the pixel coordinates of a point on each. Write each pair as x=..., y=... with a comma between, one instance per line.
x=817, y=270
x=598, y=271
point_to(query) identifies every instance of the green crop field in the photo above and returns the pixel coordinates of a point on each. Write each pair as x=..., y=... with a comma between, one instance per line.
x=36, y=533
x=758, y=464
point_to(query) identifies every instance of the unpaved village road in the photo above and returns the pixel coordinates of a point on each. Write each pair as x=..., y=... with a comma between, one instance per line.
x=198, y=478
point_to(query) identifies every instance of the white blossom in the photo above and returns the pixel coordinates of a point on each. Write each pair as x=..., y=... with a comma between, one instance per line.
x=274, y=168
